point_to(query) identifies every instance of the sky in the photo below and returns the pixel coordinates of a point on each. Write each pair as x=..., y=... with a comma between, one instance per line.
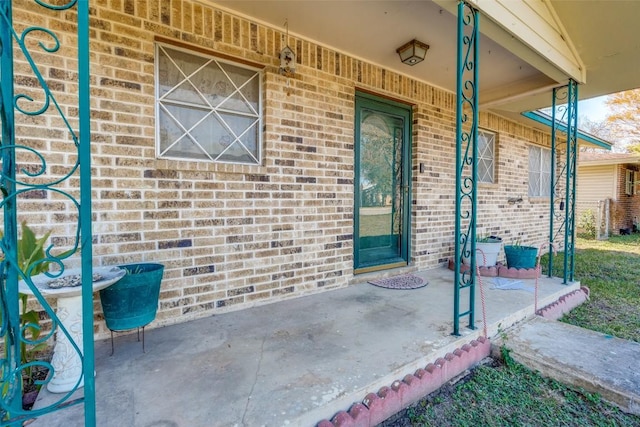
x=594, y=109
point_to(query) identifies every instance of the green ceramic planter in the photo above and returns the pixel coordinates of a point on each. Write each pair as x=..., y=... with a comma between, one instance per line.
x=132, y=302
x=521, y=256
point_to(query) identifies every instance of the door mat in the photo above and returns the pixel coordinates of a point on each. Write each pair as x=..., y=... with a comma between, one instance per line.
x=405, y=281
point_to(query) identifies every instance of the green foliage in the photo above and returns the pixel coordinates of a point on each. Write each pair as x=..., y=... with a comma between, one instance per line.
x=516, y=244
x=30, y=325
x=610, y=270
x=377, y=154
x=505, y=353
x=624, y=116
x=31, y=261
x=31, y=251
x=488, y=239
x=510, y=394
x=587, y=224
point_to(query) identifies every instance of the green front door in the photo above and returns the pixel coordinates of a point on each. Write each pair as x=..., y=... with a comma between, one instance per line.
x=382, y=166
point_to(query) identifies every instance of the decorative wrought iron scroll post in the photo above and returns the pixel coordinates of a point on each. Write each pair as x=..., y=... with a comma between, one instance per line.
x=564, y=132
x=27, y=175
x=86, y=231
x=10, y=325
x=466, y=161
x=570, y=197
x=553, y=194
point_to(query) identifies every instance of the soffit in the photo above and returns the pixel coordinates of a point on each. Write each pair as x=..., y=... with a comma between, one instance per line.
x=602, y=35
x=373, y=30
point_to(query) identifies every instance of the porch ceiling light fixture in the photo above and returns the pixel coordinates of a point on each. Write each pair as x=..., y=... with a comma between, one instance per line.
x=413, y=52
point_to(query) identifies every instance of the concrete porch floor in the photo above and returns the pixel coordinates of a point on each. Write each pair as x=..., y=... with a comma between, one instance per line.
x=295, y=362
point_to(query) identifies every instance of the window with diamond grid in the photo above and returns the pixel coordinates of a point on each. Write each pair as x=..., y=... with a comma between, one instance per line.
x=207, y=108
x=539, y=171
x=486, y=156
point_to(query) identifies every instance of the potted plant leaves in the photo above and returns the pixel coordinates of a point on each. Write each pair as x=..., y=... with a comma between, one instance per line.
x=32, y=260
x=132, y=302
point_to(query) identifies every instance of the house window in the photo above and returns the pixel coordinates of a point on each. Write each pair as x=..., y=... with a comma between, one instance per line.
x=539, y=171
x=207, y=108
x=486, y=156
x=629, y=182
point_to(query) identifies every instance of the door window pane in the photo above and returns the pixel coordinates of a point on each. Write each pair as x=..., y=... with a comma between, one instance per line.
x=380, y=197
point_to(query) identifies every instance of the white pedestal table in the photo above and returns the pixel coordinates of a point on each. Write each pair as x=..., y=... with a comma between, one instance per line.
x=66, y=361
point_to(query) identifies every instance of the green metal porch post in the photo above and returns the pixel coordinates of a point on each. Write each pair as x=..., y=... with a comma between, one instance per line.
x=570, y=191
x=552, y=183
x=84, y=153
x=466, y=160
x=564, y=110
x=11, y=374
x=13, y=185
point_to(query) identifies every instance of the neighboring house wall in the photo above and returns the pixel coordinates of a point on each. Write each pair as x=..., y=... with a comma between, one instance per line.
x=595, y=185
x=233, y=236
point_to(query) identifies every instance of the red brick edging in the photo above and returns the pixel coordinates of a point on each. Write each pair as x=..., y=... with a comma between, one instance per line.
x=501, y=270
x=377, y=407
x=564, y=304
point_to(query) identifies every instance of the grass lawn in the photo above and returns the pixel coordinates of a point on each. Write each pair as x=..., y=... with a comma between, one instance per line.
x=611, y=270
x=509, y=394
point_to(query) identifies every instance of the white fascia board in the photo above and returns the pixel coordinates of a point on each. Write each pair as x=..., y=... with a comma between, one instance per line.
x=588, y=163
x=531, y=30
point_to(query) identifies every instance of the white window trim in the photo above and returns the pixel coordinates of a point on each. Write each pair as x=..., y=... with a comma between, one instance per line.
x=629, y=182
x=260, y=110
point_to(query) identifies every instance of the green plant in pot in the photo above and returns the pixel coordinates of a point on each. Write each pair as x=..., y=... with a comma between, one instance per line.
x=519, y=256
x=31, y=261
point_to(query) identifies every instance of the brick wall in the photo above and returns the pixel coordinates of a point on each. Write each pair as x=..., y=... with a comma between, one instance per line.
x=626, y=208
x=232, y=236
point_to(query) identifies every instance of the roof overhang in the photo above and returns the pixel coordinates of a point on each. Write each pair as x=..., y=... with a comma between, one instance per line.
x=547, y=120
x=527, y=47
x=609, y=162
x=533, y=32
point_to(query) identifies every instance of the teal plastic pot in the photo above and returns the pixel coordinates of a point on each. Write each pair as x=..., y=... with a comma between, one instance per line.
x=132, y=302
x=521, y=256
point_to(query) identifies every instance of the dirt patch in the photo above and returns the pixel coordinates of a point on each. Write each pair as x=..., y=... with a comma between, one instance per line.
x=31, y=386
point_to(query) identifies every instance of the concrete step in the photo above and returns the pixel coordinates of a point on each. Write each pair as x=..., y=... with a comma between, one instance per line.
x=596, y=362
